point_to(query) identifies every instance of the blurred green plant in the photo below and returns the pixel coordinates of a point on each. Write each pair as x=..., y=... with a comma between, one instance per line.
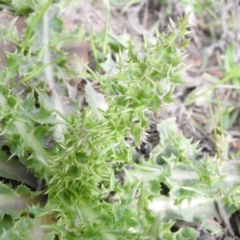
x=58, y=170
x=201, y=6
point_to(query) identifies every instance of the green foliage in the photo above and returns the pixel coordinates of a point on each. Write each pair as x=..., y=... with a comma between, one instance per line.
x=201, y=6
x=59, y=169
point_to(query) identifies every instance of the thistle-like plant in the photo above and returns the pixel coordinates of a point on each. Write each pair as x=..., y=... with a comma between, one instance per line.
x=59, y=170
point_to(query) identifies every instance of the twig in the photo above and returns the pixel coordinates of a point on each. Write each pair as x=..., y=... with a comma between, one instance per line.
x=236, y=33
x=133, y=19
x=224, y=19
x=145, y=17
x=223, y=215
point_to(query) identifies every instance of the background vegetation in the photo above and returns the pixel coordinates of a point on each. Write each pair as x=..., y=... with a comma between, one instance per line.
x=88, y=150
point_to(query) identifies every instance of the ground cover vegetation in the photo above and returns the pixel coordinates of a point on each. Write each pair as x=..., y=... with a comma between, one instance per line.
x=90, y=145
